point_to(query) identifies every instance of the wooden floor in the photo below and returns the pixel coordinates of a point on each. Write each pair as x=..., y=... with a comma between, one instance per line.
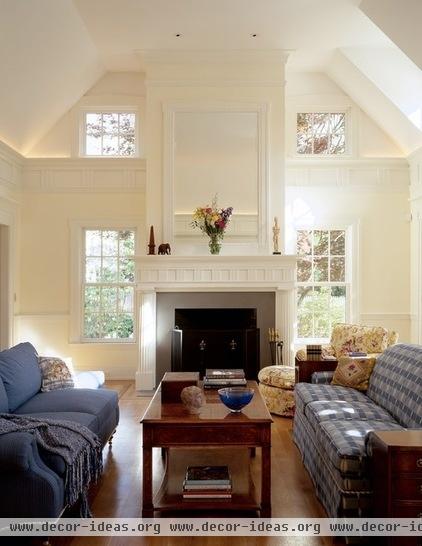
x=118, y=494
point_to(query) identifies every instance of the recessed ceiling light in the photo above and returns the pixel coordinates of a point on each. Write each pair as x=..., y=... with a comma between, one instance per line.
x=178, y=35
x=254, y=35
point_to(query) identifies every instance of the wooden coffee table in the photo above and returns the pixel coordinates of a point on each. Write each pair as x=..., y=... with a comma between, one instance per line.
x=215, y=436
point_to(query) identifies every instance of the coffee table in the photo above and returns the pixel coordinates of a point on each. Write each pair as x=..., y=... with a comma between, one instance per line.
x=215, y=436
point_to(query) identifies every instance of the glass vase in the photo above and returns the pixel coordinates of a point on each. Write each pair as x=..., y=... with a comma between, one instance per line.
x=214, y=244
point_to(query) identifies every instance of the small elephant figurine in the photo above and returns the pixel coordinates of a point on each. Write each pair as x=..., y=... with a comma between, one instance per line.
x=164, y=248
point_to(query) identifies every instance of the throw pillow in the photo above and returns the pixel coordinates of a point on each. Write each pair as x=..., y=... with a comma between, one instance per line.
x=354, y=372
x=55, y=374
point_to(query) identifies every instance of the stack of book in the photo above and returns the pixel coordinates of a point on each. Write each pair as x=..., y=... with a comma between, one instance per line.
x=313, y=352
x=215, y=379
x=207, y=482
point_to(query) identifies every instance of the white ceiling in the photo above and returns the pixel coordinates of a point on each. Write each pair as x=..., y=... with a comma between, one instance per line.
x=314, y=28
x=53, y=51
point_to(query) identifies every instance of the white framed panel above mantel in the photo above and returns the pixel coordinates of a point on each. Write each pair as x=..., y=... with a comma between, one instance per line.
x=255, y=114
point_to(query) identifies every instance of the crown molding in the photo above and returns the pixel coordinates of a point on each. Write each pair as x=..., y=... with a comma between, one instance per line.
x=226, y=56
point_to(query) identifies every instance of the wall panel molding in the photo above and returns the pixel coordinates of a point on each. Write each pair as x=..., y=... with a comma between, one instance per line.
x=380, y=175
x=84, y=175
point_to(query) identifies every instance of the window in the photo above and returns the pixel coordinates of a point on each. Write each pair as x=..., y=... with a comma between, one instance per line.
x=322, y=274
x=110, y=134
x=321, y=133
x=108, y=284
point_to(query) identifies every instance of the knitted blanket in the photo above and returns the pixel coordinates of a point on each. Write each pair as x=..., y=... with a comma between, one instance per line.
x=79, y=447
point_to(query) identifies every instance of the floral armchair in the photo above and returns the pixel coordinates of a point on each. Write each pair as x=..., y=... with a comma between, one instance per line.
x=354, y=337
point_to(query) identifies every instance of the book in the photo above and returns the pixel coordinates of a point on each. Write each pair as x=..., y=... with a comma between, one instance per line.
x=225, y=373
x=216, y=475
x=187, y=486
x=207, y=495
x=224, y=383
x=221, y=380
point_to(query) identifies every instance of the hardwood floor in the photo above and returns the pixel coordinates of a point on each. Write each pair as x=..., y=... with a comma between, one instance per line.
x=118, y=494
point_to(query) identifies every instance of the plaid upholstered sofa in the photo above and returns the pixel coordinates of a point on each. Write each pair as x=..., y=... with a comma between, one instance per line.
x=331, y=425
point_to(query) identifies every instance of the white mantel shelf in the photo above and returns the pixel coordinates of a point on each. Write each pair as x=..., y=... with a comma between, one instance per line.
x=209, y=273
x=173, y=273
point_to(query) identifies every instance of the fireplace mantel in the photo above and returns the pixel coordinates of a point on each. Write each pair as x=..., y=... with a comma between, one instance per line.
x=207, y=274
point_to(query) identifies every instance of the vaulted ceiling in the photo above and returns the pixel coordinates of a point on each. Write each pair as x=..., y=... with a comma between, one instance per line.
x=53, y=51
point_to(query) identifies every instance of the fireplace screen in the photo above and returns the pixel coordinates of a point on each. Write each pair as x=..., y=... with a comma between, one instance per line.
x=215, y=338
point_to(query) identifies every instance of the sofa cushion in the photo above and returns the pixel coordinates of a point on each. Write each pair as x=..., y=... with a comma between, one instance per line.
x=20, y=373
x=340, y=410
x=55, y=374
x=53, y=460
x=98, y=402
x=396, y=384
x=353, y=337
x=4, y=402
x=343, y=442
x=354, y=372
x=308, y=392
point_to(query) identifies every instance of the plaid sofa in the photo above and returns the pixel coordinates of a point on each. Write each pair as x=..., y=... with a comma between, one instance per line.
x=331, y=425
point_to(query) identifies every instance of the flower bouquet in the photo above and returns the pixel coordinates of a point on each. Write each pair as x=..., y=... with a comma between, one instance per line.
x=213, y=222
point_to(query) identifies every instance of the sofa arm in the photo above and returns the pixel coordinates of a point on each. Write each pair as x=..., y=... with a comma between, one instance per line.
x=322, y=378
x=16, y=451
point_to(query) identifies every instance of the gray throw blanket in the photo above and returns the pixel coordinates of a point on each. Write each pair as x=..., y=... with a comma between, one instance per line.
x=79, y=447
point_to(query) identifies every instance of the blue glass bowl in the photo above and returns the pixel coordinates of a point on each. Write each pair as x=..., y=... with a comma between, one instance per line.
x=236, y=398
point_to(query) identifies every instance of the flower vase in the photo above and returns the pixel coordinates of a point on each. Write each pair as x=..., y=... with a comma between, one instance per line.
x=214, y=244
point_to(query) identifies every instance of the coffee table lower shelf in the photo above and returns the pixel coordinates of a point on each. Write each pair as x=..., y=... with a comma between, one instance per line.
x=169, y=497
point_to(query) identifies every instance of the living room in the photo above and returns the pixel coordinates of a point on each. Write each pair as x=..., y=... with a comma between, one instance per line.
x=302, y=116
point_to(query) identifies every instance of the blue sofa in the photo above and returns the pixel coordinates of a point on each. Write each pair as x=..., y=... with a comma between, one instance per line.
x=33, y=479
x=332, y=423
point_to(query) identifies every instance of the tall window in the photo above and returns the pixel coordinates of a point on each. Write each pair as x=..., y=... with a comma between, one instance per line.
x=321, y=133
x=110, y=134
x=109, y=284
x=323, y=289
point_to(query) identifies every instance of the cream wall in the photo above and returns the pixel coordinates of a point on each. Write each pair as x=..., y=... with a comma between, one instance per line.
x=415, y=161
x=215, y=78
x=114, y=89
x=44, y=279
x=314, y=90
x=382, y=248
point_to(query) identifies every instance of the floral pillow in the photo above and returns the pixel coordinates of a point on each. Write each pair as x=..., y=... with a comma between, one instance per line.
x=352, y=337
x=55, y=374
x=354, y=372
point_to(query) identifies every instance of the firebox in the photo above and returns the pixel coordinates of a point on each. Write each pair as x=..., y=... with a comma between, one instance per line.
x=215, y=338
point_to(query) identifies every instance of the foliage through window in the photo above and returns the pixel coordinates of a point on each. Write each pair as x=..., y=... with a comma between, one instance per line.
x=322, y=287
x=108, y=291
x=321, y=133
x=110, y=134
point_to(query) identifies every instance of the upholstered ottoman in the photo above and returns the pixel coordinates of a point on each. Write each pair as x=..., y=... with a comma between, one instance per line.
x=276, y=384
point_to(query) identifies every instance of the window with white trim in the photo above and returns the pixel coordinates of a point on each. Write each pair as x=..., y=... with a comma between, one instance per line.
x=108, y=287
x=110, y=134
x=323, y=275
x=321, y=133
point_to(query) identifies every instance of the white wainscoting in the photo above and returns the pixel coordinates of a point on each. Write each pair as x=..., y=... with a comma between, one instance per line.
x=399, y=322
x=371, y=174
x=84, y=175
x=11, y=164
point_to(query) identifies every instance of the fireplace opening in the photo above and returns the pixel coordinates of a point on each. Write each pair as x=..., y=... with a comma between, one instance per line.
x=216, y=338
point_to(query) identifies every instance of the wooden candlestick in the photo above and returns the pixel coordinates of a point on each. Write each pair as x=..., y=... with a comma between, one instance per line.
x=151, y=244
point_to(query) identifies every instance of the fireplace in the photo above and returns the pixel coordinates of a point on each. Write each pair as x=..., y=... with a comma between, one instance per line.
x=167, y=283
x=215, y=338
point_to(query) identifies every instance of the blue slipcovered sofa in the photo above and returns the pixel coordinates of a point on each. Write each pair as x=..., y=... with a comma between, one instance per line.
x=32, y=481
x=332, y=423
